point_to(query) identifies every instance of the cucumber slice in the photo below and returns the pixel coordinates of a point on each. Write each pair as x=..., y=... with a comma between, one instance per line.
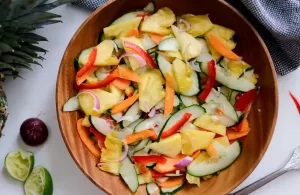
x=118, y=43
x=204, y=58
x=171, y=191
x=210, y=108
x=233, y=97
x=100, y=74
x=71, y=105
x=226, y=91
x=128, y=130
x=170, y=44
x=150, y=7
x=188, y=101
x=127, y=172
x=141, y=145
x=134, y=112
x=84, y=53
x=137, y=169
x=219, y=98
x=206, y=168
x=156, y=123
x=195, y=110
x=240, y=114
x=100, y=124
x=225, y=77
x=147, y=42
x=161, y=104
x=117, y=117
x=151, y=188
x=195, y=89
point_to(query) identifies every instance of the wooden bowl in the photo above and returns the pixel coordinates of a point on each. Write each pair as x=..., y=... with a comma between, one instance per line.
x=262, y=117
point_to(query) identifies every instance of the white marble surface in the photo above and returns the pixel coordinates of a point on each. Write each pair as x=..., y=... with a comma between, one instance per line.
x=36, y=94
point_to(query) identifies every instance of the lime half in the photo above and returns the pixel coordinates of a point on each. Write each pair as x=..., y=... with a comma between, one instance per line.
x=39, y=182
x=19, y=164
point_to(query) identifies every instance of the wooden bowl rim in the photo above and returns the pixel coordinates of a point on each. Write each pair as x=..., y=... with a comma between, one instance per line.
x=263, y=151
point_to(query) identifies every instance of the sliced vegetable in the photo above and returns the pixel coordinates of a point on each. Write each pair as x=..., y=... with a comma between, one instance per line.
x=71, y=105
x=134, y=113
x=151, y=188
x=150, y=7
x=170, y=44
x=90, y=64
x=99, y=136
x=131, y=138
x=124, y=104
x=140, y=52
x=173, y=190
x=234, y=135
x=207, y=122
x=186, y=23
x=129, y=175
x=244, y=101
x=176, y=126
x=296, y=101
x=193, y=180
x=101, y=125
x=110, y=78
x=134, y=32
x=148, y=159
x=95, y=97
x=121, y=83
x=210, y=82
x=172, y=182
x=126, y=73
x=170, y=94
x=156, y=123
x=147, y=41
x=87, y=141
x=86, y=75
x=184, y=162
x=170, y=146
x=145, y=178
x=156, y=38
x=169, y=165
x=127, y=130
x=202, y=167
x=200, y=24
x=189, y=101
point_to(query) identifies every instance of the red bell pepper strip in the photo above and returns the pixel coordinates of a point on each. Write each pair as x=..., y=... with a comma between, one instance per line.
x=148, y=159
x=297, y=102
x=90, y=63
x=100, y=137
x=156, y=174
x=177, y=126
x=143, y=14
x=210, y=81
x=136, y=49
x=110, y=78
x=245, y=100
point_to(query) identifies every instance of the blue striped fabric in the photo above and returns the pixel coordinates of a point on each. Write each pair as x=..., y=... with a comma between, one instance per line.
x=277, y=21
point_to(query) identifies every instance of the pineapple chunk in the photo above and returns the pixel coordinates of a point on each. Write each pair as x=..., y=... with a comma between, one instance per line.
x=193, y=140
x=131, y=61
x=182, y=74
x=189, y=46
x=121, y=29
x=145, y=178
x=104, y=55
x=159, y=22
x=107, y=100
x=215, y=150
x=86, y=121
x=193, y=179
x=224, y=35
x=92, y=79
x=203, y=156
x=199, y=24
x=206, y=122
x=151, y=89
x=110, y=153
x=171, y=146
x=223, y=141
x=118, y=93
x=174, y=54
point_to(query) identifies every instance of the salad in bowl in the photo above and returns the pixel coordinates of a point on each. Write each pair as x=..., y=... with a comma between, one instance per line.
x=165, y=99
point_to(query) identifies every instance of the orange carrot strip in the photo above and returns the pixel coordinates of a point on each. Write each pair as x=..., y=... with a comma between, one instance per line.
x=134, y=33
x=169, y=165
x=170, y=94
x=219, y=46
x=82, y=78
x=171, y=182
x=156, y=38
x=90, y=63
x=233, y=135
x=134, y=137
x=87, y=141
x=124, y=104
x=126, y=73
x=195, y=154
x=121, y=83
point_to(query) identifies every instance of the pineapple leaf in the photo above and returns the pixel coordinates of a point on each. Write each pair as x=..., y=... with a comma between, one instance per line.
x=44, y=23
x=49, y=6
x=29, y=37
x=24, y=66
x=13, y=59
x=17, y=24
x=22, y=55
x=12, y=43
x=37, y=17
x=36, y=48
x=14, y=75
x=5, y=66
x=22, y=7
x=29, y=51
x=4, y=9
x=4, y=48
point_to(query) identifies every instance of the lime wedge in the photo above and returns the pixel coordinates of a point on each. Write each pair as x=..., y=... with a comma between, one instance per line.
x=39, y=182
x=19, y=164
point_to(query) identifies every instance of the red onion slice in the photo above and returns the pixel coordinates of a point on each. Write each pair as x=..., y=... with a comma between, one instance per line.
x=162, y=179
x=152, y=113
x=184, y=162
x=188, y=25
x=136, y=56
x=125, y=152
x=96, y=99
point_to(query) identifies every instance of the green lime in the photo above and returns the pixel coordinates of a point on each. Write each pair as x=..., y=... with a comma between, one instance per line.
x=39, y=182
x=19, y=164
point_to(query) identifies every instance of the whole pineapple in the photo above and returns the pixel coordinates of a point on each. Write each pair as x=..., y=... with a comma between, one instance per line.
x=18, y=44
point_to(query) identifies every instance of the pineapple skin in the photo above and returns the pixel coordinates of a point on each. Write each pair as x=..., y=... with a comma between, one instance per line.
x=3, y=109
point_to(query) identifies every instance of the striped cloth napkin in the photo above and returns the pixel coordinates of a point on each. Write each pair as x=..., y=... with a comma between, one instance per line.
x=277, y=22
